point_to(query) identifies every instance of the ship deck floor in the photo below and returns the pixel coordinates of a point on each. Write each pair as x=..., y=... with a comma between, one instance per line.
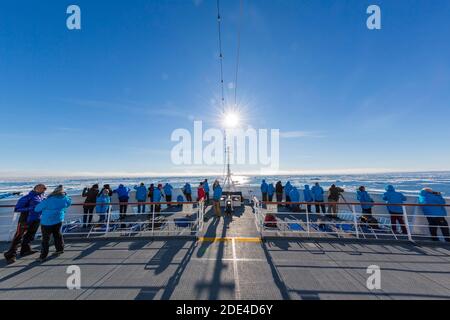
x=232, y=262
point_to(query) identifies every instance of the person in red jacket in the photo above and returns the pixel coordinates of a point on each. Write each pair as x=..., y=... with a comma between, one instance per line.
x=201, y=194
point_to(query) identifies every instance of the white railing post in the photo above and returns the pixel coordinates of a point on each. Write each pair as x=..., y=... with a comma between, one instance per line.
x=307, y=221
x=153, y=219
x=108, y=219
x=405, y=219
x=355, y=221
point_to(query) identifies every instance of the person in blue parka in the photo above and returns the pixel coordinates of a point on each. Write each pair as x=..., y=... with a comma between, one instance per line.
x=270, y=192
x=287, y=191
x=187, y=191
x=141, y=196
x=206, y=188
x=396, y=212
x=102, y=205
x=264, y=190
x=294, y=196
x=157, y=197
x=436, y=215
x=217, y=194
x=53, y=212
x=124, y=194
x=168, y=192
x=28, y=223
x=366, y=205
x=317, y=193
x=307, y=195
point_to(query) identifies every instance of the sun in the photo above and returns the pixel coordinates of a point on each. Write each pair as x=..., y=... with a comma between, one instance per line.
x=231, y=120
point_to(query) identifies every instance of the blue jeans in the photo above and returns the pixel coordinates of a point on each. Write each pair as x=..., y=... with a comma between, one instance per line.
x=141, y=207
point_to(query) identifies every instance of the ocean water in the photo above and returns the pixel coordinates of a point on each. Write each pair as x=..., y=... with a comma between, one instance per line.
x=409, y=183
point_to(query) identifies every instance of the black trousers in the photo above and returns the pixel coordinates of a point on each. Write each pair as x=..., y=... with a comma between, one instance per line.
x=24, y=235
x=48, y=231
x=141, y=206
x=279, y=197
x=207, y=197
x=321, y=206
x=123, y=207
x=270, y=196
x=264, y=196
x=188, y=197
x=438, y=222
x=88, y=214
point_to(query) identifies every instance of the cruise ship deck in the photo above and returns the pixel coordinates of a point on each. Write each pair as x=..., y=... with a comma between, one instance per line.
x=231, y=261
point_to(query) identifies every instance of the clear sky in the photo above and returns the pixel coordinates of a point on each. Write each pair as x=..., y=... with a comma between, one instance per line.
x=105, y=99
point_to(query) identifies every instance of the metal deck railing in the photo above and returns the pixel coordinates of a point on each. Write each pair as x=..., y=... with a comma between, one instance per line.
x=348, y=222
x=173, y=220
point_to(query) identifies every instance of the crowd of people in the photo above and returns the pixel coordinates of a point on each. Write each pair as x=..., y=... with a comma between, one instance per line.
x=48, y=212
x=434, y=212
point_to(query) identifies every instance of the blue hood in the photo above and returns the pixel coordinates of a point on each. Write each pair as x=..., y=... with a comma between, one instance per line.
x=390, y=188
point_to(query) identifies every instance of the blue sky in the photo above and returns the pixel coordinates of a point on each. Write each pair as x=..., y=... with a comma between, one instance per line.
x=106, y=99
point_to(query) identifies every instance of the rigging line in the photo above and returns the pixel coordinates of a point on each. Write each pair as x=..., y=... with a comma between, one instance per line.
x=219, y=30
x=241, y=13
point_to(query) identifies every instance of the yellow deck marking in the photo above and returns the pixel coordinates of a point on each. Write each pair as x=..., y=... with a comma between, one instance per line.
x=229, y=239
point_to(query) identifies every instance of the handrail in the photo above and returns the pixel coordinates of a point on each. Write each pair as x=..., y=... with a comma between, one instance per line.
x=118, y=203
x=362, y=203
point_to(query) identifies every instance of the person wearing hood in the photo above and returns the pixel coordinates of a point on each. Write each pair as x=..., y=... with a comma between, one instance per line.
x=88, y=209
x=28, y=224
x=206, y=187
x=168, y=192
x=435, y=213
x=217, y=194
x=157, y=197
x=294, y=195
x=103, y=204
x=317, y=193
x=187, y=191
x=279, y=191
x=270, y=192
x=396, y=212
x=53, y=211
x=366, y=205
x=307, y=195
x=124, y=194
x=141, y=196
x=264, y=190
x=334, y=193
x=287, y=190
